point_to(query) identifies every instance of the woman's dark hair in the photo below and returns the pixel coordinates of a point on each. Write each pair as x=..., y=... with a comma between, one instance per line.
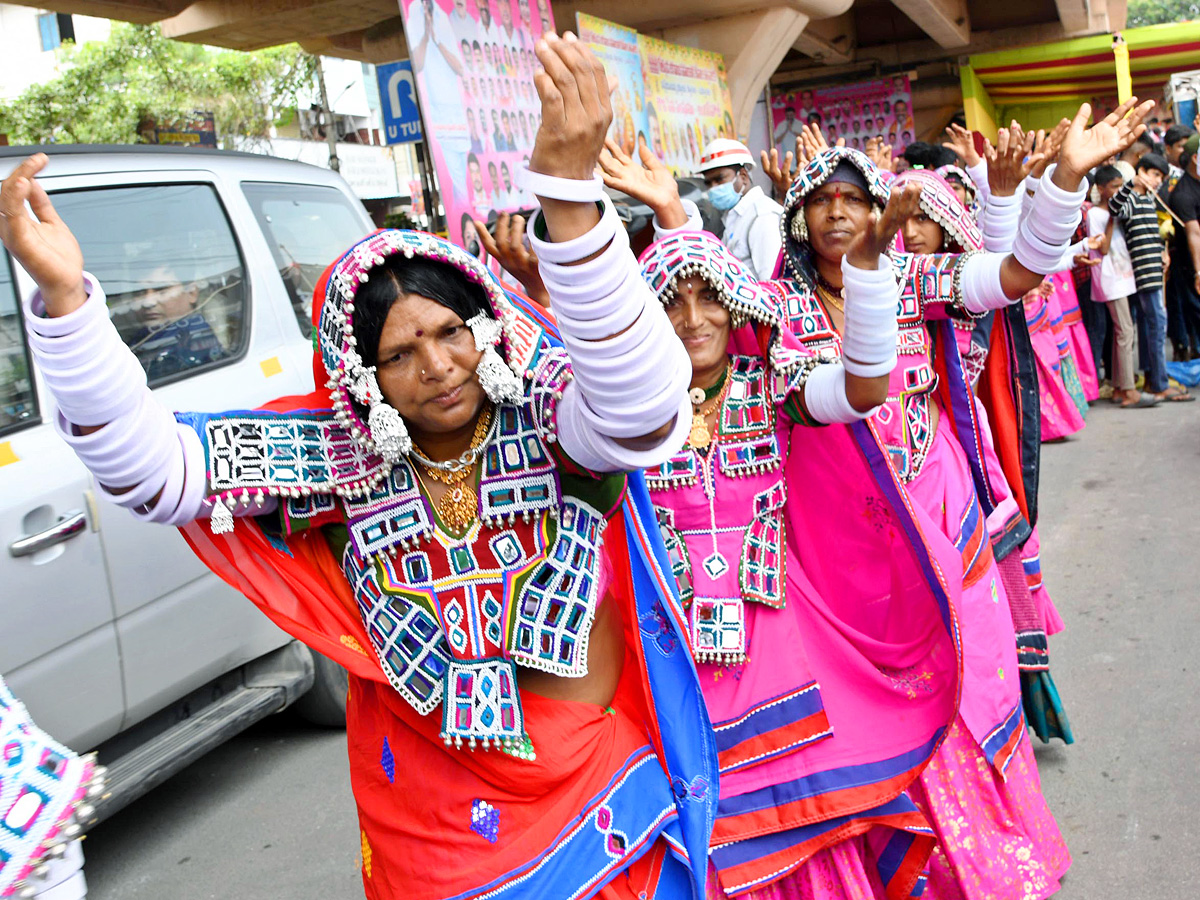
x=398, y=276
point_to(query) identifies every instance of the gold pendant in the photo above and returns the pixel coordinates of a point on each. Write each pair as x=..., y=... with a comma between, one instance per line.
x=457, y=507
x=699, y=436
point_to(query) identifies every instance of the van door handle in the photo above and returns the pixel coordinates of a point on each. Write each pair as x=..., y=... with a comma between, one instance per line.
x=71, y=525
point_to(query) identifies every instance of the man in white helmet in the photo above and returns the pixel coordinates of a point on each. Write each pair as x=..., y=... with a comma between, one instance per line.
x=751, y=217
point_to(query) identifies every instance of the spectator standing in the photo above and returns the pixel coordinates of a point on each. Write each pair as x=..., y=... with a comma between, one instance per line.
x=1174, y=141
x=751, y=217
x=1134, y=206
x=1185, y=203
x=1112, y=284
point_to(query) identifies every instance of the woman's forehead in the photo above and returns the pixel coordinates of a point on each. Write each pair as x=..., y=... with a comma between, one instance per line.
x=832, y=188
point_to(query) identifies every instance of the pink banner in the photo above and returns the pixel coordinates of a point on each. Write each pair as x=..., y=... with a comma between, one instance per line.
x=474, y=65
x=855, y=111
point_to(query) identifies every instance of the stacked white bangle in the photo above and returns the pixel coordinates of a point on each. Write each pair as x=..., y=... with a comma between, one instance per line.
x=825, y=397
x=630, y=371
x=981, y=287
x=551, y=187
x=869, y=330
x=68, y=348
x=694, y=222
x=1001, y=218
x=1028, y=191
x=1046, y=231
x=979, y=174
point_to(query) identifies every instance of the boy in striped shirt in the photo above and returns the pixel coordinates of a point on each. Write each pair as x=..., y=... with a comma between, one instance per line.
x=1134, y=207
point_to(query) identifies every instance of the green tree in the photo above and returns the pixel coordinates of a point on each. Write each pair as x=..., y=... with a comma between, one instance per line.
x=107, y=89
x=1161, y=12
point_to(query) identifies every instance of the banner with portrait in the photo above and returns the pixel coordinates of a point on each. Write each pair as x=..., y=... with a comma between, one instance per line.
x=856, y=111
x=618, y=49
x=474, y=66
x=676, y=96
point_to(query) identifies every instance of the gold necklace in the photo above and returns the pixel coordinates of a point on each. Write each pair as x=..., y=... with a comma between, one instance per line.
x=458, y=506
x=832, y=299
x=700, y=437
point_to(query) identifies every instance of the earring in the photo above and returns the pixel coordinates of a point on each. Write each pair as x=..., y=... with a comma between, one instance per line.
x=799, y=227
x=499, y=381
x=387, y=428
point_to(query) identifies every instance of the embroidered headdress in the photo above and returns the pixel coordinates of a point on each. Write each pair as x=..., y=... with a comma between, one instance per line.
x=940, y=203
x=961, y=175
x=796, y=247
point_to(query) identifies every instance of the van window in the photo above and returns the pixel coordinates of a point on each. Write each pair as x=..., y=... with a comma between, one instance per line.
x=171, y=268
x=307, y=228
x=18, y=405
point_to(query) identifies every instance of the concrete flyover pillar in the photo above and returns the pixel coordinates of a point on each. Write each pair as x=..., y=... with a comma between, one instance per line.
x=754, y=44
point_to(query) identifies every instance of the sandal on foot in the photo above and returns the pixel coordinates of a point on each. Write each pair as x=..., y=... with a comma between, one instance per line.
x=1176, y=395
x=1143, y=401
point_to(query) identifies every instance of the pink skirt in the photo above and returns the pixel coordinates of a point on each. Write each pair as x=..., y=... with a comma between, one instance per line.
x=840, y=872
x=998, y=839
x=1077, y=336
x=1060, y=416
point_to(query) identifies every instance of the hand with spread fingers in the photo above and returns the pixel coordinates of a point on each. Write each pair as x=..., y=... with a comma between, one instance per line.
x=781, y=172
x=874, y=241
x=648, y=180
x=507, y=247
x=1010, y=161
x=813, y=140
x=1085, y=148
x=962, y=142
x=41, y=243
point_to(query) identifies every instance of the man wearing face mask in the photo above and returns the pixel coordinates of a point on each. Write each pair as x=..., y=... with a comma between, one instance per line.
x=751, y=217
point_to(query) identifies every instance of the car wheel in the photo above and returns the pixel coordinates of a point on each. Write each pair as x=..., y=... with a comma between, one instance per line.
x=325, y=703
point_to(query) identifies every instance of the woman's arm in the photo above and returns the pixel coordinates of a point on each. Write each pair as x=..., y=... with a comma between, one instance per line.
x=141, y=457
x=652, y=183
x=626, y=406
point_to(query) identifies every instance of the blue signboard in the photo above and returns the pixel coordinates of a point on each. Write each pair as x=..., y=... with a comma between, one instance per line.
x=398, y=101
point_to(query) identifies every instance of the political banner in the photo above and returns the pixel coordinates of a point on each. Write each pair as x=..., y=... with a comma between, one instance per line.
x=676, y=96
x=474, y=68
x=856, y=111
x=618, y=49
x=689, y=102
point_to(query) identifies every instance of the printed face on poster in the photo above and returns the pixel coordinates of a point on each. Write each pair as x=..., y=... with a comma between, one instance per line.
x=474, y=65
x=676, y=97
x=857, y=112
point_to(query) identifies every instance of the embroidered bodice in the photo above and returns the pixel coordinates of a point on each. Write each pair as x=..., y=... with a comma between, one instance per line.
x=448, y=616
x=720, y=510
x=929, y=288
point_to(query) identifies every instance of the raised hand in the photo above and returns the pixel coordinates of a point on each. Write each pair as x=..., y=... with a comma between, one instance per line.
x=1010, y=161
x=813, y=140
x=780, y=173
x=880, y=153
x=1084, y=148
x=961, y=142
x=576, y=108
x=508, y=248
x=1049, y=147
x=647, y=180
x=44, y=246
x=876, y=238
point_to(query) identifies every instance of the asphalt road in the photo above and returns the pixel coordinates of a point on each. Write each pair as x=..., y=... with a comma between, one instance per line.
x=270, y=816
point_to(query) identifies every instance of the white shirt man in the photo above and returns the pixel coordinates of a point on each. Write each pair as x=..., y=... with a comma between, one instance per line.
x=751, y=217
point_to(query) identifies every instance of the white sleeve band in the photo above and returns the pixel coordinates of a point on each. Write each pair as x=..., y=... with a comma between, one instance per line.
x=869, y=329
x=825, y=396
x=94, y=377
x=694, y=222
x=979, y=174
x=630, y=372
x=1001, y=218
x=1052, y=220
x=982, y=289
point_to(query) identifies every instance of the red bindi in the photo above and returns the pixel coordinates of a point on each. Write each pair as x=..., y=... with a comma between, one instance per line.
x=837, y=193
x=420, y=333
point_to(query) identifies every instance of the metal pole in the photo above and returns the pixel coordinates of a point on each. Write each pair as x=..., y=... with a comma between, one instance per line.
x=431, y=199
x=330, y=128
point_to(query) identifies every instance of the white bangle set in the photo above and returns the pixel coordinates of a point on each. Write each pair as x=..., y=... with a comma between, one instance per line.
x=982, y=289
x=694, y=222
x=979, y=174
x=551, y=187
x=1046, y=231
x=1001, y=218
x=85, y=364
x=825, y=396
x=869, y=329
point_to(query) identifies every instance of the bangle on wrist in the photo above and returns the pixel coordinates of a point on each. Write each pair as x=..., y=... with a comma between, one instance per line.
x=570, y=190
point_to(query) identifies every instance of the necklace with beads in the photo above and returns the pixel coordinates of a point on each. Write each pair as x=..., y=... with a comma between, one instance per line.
x=700, y=437
x=458, y=507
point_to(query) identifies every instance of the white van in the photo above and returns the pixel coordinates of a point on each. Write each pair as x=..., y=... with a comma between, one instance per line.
x=114, y=634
